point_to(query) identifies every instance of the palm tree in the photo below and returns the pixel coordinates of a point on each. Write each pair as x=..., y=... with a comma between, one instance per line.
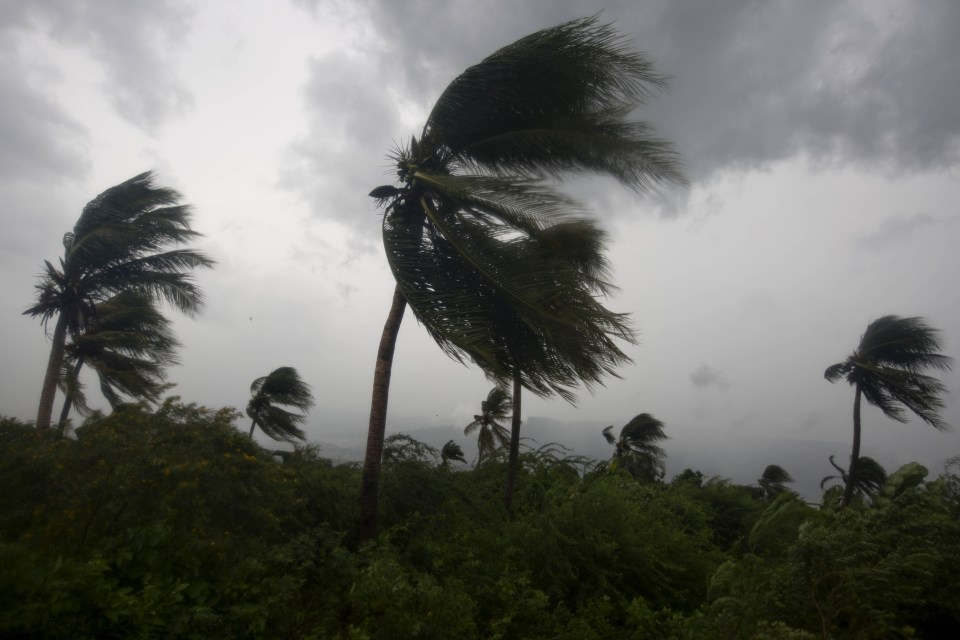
x=451, y=451
x=773, y=481
x=887, y=369
x=125, y=239
x=491, y=434
x=636, y=450
x=469, y=193
x=281, y=388
x=871, y=477
x=129, y=344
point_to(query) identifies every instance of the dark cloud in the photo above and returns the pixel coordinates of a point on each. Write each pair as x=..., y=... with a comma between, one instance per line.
x=38, y=137
x=351, y=106
x=705, y=376
x=753, y=82
x=135, y=41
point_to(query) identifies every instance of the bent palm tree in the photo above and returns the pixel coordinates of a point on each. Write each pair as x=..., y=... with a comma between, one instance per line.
x=282, y=388
x=887, y=369
x=773, y=481
x=636, y=450
x=490, y=433
x=451, y=451
x=124, y=240
x=871, y=477
x=551, y=103
x=129, y=344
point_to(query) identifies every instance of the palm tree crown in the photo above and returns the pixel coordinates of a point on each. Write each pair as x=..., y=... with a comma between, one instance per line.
x=473, y=235
x=129, y=343
x=281, y=388
x=491, y=434
x=774, y=481
x=887, y=369
x=127, y=238
x=637, y=449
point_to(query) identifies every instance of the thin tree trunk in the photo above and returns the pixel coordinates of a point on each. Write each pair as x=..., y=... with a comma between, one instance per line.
x=68, y=401
x=253, y=425
x=370, y=484
x=514, y=443
x=855, y=451
x=49, y=390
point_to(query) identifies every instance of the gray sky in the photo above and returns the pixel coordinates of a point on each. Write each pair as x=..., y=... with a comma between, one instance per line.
x=822, y=139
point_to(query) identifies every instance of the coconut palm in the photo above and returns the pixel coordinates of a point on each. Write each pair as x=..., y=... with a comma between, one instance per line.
x=491, y=434
x=871, y=477
x=451, y=451
x=552, y=103
x=637, y=449
x=887, y=369
x=125, y=239
x=281, y=388
x=129, y=343
x=773, y=481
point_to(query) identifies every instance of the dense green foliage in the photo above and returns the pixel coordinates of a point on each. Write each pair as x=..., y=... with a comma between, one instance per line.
x=174, y=523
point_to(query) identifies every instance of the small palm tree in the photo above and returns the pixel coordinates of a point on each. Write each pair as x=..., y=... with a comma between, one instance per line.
x=887, y=369
x=126, y=239
x=451, y=451
x=129, y=343
x=491, y=434
x=282, y=388
x=773, y=481
x=636, y=450
x=871, y=477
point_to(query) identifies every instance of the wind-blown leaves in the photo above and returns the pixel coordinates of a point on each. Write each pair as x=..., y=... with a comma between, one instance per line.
x=497, y=265
x=491, y=434
x=127, y=239
x=887, y=369
x=270, y=394
x=637, y=449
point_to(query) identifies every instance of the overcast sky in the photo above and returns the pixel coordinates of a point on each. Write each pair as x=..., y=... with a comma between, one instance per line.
x=822, y=140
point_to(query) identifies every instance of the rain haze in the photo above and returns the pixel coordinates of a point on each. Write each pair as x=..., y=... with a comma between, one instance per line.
x=821, y=139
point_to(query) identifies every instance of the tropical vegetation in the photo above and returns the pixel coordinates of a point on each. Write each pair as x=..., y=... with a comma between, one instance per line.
x=491, y=433
x=270, y=394
x=127, y=239
x=498, y=266
x=172, y=522
x=637, y=450
x=888, y=370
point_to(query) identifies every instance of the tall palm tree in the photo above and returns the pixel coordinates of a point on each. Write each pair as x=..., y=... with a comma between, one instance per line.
x=887, y=369
x=491, y=434
x=469, y=192
x=281, y=388
x=129, y=343
x=773, y=481
x=125, y=239
x=637, y=449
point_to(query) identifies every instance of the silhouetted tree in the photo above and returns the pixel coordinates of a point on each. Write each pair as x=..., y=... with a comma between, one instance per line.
x=122, y=241
x=552, y=103
x=282, y=388
x=887, y=369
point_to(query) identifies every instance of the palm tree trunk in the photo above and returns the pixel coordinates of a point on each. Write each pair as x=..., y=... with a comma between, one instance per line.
x=514, y=443
x=52, y=377
x=253, y=425
x=68, y=401
x=855, y=451
x=370, y=484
